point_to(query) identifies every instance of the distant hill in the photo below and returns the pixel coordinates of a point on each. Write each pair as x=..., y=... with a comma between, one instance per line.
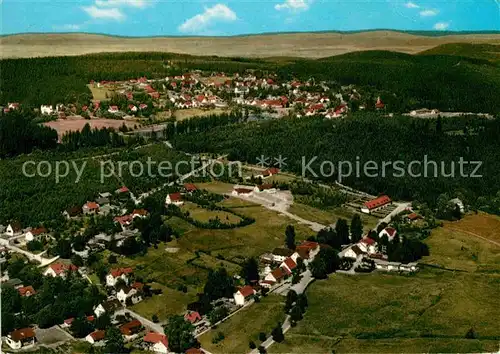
x=306, y=45
x=489, y=52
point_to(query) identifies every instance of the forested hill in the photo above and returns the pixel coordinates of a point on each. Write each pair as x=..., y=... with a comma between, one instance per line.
x=445, y=82
x=370, y=137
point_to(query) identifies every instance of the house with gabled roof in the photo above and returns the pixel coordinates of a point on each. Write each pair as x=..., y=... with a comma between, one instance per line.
x=174, y=198
x=118, y=273
x=156, y=342
x=243, y=295
x=60, y=270
x=288, y=264
x=26, y=291
x=34, y=233
x=390, y=232
x=375, y=204
x=95, y=337
x=13, y=229
x=192, y=316
x=90, y=208
x=21, y=338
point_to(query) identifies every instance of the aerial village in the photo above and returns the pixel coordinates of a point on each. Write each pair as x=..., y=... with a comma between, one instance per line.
x=281, y=269
x=145, y=97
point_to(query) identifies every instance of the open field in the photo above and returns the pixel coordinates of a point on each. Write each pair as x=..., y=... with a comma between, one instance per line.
x=100, y=93
x=170, y=302
x=453, y=247
x=182, y=114
x=76, y=123
x=205, y=215
x=328, y=217
x=312, y=45
x=430, y=311
x=246, y=325
x=266, y=233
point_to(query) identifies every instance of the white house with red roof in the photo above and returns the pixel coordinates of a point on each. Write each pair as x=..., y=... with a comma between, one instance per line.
x=132, y=108
x=276, y=276
x=113, y=109
x=90, y=208
x=375, y=204
x=124, y=220
x=243, y=295
x=192, y=317
x=156, y=342
x=390, y=232
x=368, y=245
x=174, y=198
x=95, y=337
x=34, y=233
x=59, y=269
x=118, y=273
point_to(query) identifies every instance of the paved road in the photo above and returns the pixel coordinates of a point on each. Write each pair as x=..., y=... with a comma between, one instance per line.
x=157, y=327
x=31, y=256
x=301, y=286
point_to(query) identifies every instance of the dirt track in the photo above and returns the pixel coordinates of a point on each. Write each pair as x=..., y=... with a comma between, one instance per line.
x=313, y=45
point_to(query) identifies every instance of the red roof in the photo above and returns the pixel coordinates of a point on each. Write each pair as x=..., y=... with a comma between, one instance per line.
x=22, y=333
x=271, y=171
x=90, y=318
x=114, y=108
x=123, y=220
x=317, y=106
x=69, y=320
x=192, y=317
x=265, y=186
x=175, y=196
x=278, y=273
x=243, y=190
x=413, y=216
x=142, y=212
x=309, y=245
x=116, y=272
x=194, y=351
x=143, y=105
x=59, y=268
x=137, y=285
x=26, y=291
x=368, y=241
x=246, y=291
x=92, y=205
x=390, y=231
x=38, y=231
x=378, y=202
x=122, y=190
x=130, y=327
x=190, y=187
x=153, y=337
x=290, y=263
x=97, y=335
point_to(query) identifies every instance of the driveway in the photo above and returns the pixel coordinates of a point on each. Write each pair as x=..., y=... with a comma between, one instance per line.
x=157, y=327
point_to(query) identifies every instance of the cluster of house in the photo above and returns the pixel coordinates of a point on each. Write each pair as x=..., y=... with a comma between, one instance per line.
x=279, y=266
x=368, y=248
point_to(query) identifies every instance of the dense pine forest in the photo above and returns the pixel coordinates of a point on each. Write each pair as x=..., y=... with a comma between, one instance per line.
x=370, y=137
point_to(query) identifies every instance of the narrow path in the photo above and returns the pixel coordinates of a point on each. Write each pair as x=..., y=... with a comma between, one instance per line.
x=475, y=235
x=157, y=327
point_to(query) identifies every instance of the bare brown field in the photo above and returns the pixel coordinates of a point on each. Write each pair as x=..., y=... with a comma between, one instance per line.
x=63, y=126
x=480, y=225
x=311, y=45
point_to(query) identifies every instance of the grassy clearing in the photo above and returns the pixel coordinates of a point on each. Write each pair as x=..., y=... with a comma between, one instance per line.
x=430, y=311
x=262, y=236
x=216, y=187
x=170, y=302
x=205, y=215
x=246, y=325
x=439, y=305
x=182, y=114
x=99, y=93
x=456, y=249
